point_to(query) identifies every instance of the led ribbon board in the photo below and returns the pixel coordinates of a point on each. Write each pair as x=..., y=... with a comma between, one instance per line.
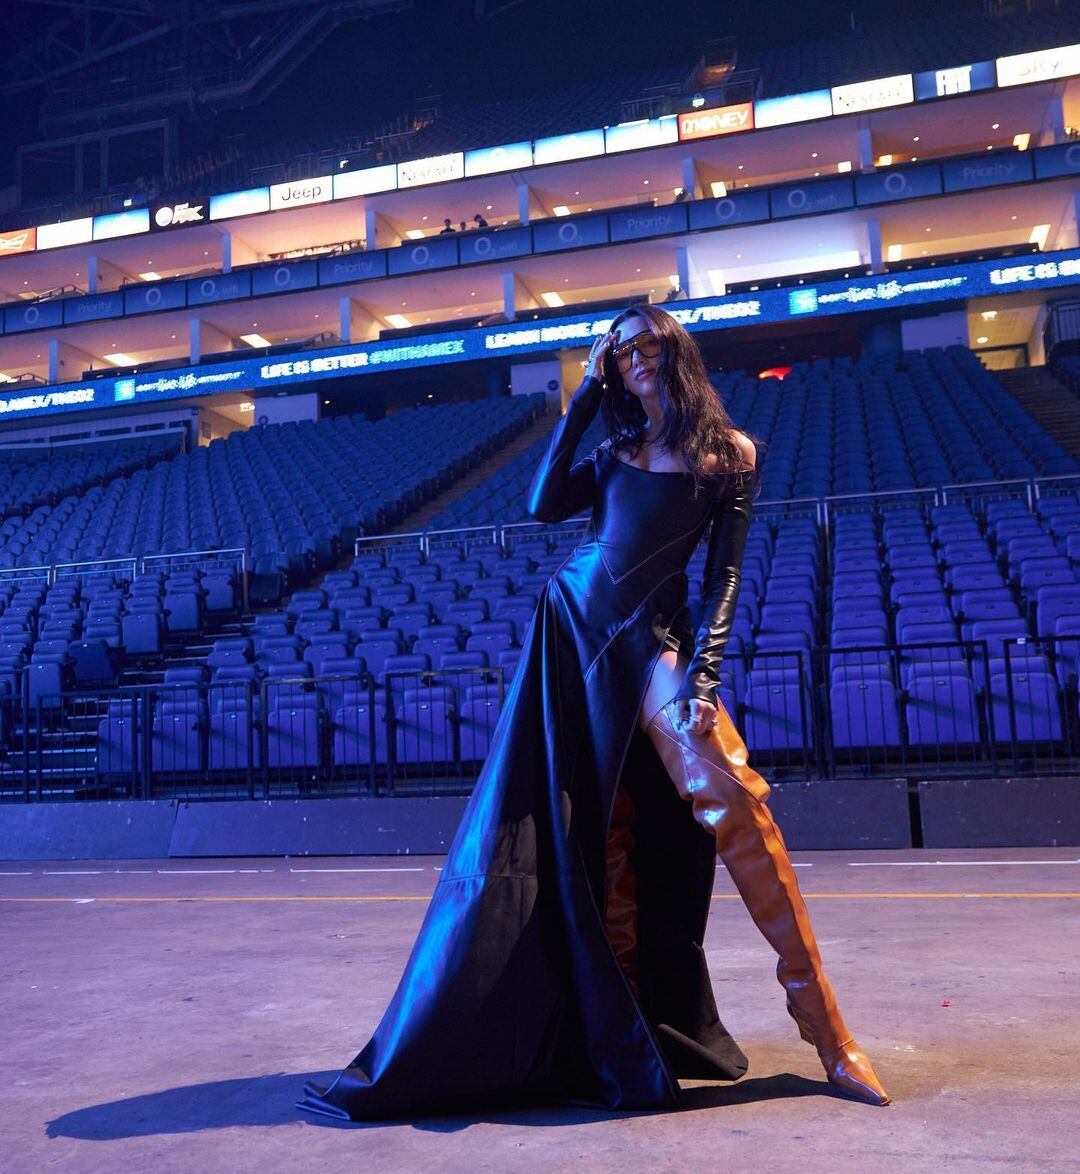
x=918, y=287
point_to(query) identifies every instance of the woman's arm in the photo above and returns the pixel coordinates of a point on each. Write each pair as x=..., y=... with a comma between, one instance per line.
x=561, y=488
x=721, y=580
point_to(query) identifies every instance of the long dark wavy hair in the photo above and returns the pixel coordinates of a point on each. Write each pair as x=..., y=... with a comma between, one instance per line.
x=696, y=423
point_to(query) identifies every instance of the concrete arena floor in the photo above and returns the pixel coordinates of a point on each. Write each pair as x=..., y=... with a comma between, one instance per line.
x=163, y=1016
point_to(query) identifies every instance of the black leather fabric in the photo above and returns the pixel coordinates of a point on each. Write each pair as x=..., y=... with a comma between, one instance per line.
x=720, y=586
x=512, y=991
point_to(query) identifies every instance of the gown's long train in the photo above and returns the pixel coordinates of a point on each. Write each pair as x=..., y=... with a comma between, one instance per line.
x=513, y=991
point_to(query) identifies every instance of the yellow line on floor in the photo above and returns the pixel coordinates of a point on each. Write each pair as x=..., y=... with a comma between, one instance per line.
x=716, y=897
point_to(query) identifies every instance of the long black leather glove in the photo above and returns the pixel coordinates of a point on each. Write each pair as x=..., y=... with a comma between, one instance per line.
x=721, y=579
x=561, y=488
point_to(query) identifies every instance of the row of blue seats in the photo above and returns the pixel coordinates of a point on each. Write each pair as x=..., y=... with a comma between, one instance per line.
x=299, y=732
x=305, y=727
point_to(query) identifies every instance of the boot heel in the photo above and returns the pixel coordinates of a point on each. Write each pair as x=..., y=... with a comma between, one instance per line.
x=804, y=1031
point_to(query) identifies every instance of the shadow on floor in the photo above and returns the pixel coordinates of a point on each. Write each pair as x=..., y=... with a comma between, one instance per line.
x=270, y=1100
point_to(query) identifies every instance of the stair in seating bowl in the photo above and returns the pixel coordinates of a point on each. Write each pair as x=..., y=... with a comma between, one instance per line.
x=1049, y=401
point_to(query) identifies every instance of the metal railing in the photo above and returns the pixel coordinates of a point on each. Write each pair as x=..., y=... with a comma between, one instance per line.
x=824, y=510
x=969, y=708
x=127, y=569
x=231, y=558
x=409, y=733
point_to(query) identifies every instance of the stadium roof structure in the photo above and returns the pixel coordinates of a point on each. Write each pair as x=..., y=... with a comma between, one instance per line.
x=426, y=72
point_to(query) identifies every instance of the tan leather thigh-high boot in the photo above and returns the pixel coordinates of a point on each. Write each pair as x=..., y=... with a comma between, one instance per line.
x=711, y=771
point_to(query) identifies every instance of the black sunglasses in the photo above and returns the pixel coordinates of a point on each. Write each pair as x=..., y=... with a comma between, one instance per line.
x=645, y=342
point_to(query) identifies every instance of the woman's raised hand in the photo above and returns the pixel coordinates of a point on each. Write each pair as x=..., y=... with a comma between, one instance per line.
x=595, y=364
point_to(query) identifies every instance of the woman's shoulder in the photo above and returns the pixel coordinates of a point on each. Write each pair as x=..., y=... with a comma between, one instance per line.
x=716, y=463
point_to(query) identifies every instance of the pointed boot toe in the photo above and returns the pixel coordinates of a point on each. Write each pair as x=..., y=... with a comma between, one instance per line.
x=851, y=1072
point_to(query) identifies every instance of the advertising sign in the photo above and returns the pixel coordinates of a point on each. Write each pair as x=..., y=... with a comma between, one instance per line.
x=957, y=79
x=793, y=108
x=898, y=183
x=1044, y=65
x=719, y=120
x=22, y=240
x=489, y=160
x=987, y=171
x=67, y=232
x=820, y=195
x=366, y=182
x=875, y=95
x=298, y=192
x=114, y=224
x=644, y=132
x=246, y=203
x=435, y=169
x=560, y=148
x=179, y=215
x=871, y=292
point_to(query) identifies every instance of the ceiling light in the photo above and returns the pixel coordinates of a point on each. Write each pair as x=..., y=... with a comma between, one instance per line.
x=120, y=359
x=150, y=276
x=813, y=154
x=561, y=210
x=915, y=139
x=255, y=340
x=1038, y=235
x=1021, y=141
x=893, y=253
x=551, y=298
x=415, y=234
x=884, y=161
x=995, y=126
x=989, y=315
x=718, y=189
x=247, y=406
x=673, y=279
x=398, y=321
x=981, y=339
x=844, y=165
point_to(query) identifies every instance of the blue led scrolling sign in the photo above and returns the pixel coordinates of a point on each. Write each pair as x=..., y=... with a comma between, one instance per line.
x=892, y=291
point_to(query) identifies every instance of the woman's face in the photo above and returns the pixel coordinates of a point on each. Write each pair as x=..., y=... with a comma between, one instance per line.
x=640, y=378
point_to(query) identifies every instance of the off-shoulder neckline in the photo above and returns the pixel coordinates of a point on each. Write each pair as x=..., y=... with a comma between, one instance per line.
x=672, y=472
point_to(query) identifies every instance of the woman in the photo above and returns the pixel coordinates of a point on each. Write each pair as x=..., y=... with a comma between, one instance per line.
x=561, y=956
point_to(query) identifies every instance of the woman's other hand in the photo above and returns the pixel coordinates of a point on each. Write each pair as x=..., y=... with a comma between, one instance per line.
x=594, y=366
x=695, y=716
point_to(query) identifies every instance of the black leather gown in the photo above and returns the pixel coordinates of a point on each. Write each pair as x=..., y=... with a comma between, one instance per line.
x=512, y=992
